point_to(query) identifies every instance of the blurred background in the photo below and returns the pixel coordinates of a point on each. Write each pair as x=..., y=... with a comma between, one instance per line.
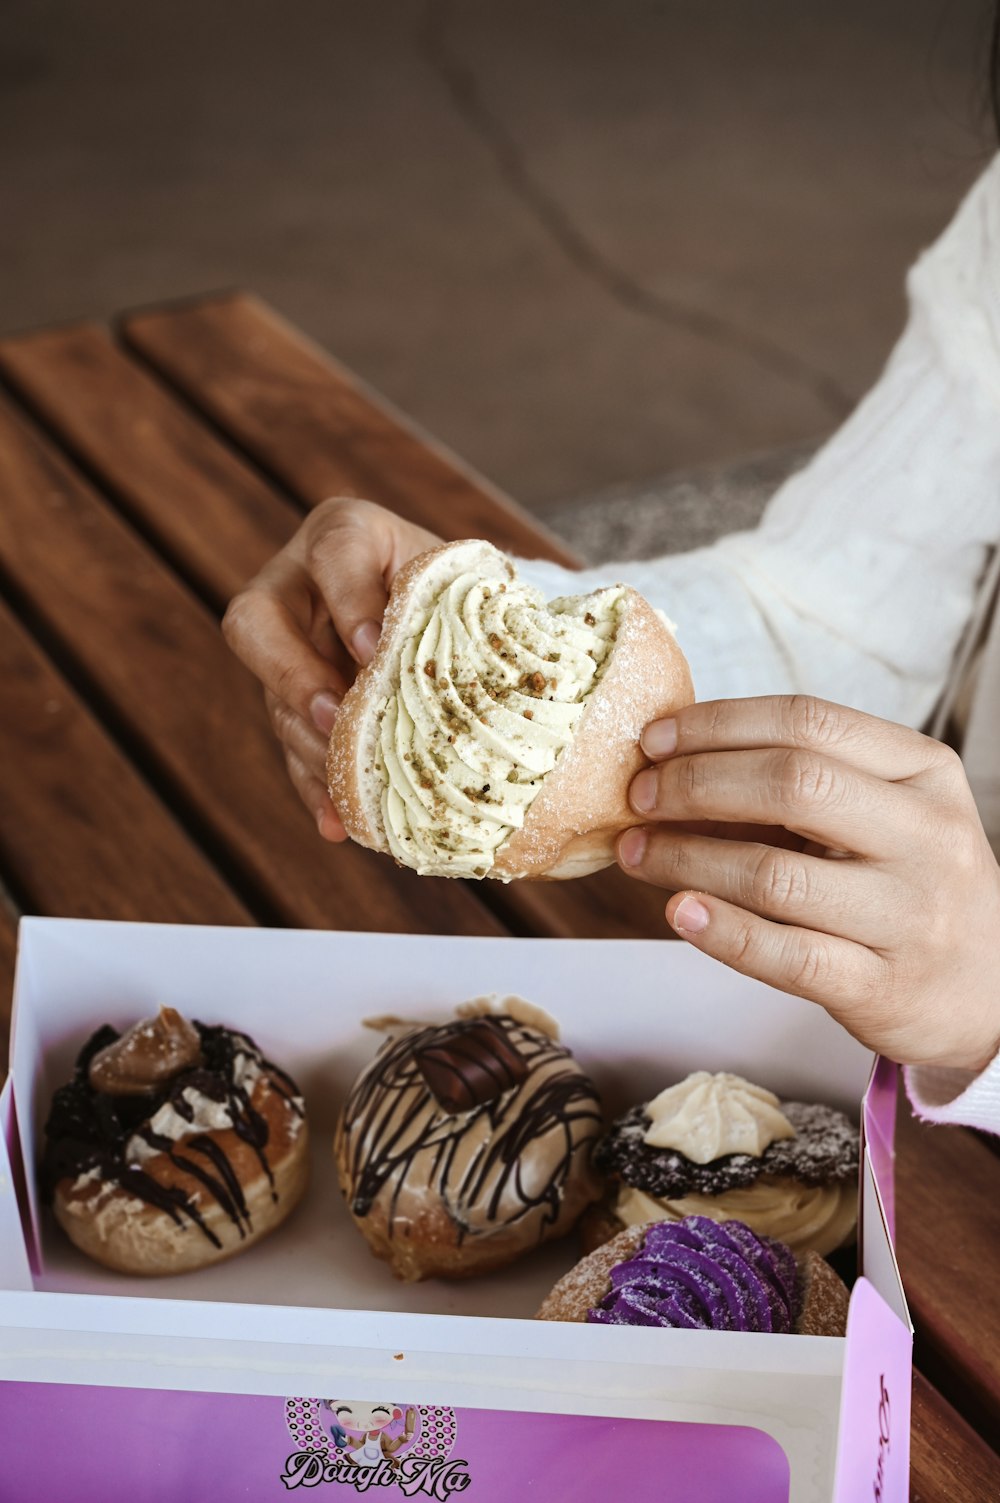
x=601, y=248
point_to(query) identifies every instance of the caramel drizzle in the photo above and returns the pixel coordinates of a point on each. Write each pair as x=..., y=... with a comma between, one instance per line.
x=87, y=1129
x=383, y=1147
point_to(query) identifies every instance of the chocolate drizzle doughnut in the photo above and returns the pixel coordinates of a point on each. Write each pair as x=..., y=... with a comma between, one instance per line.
x=464, y=1144
x=189, y=1149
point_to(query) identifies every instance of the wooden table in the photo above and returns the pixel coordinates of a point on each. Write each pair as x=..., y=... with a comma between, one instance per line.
x=145, y=473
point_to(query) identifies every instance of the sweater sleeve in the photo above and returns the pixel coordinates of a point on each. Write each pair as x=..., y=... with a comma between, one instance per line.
x=862, y=573
x=958, y=1097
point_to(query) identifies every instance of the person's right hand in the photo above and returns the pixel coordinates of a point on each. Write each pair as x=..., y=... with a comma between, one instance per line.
x=309, y=619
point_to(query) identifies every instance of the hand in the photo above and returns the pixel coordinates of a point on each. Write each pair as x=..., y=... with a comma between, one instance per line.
x=834, y=856
x=309, y=619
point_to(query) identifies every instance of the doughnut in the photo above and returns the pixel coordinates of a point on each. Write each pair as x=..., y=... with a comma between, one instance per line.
x=699, y=1273
x=176, y=1144
x=718, y=1146
x=465, y=1144
x=494, y=734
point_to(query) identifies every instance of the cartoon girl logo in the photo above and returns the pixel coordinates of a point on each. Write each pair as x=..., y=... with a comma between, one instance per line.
x=366, y=1434
x=360, y=1444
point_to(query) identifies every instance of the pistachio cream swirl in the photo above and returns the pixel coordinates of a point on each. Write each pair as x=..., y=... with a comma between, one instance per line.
x=493, y=682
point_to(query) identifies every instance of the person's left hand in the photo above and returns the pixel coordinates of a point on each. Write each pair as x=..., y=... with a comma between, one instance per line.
x=835, y=856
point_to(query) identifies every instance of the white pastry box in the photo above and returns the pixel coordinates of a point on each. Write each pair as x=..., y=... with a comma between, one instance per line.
x=223, y=1384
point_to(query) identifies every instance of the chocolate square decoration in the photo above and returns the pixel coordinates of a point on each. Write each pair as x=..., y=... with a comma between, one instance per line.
x=469, y=1064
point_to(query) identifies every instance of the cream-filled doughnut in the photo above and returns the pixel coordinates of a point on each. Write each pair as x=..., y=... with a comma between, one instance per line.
x=718, y=1146
x=494, y=734
x=175, y=1145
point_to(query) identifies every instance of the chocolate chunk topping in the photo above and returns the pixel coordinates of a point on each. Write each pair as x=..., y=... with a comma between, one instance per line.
x=469, y=1064
x=823, y=1151
x=147, y=1055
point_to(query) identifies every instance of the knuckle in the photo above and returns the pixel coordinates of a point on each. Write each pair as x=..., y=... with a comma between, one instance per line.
x=716, y=714
x=946, y=758
x=678, y=864
x=808, y=969
x=746, y=946
x=333, y=509
x=286, y=684
x=935, y=933
x=953, y=833
x=778, y=880
x=282, y=720
x=814, y=722
x=803, y=782
x=320, y=544
x=340, y=514
x=238, y=619
x=869, y=988
x=693, y=776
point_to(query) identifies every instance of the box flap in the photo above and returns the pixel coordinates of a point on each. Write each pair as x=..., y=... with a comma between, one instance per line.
x=15, y=1270
x=878, y=1132
x=878, y=1256
x=873, y=1445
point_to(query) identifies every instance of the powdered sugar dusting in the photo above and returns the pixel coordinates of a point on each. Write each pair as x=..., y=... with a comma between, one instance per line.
x=824, y=1150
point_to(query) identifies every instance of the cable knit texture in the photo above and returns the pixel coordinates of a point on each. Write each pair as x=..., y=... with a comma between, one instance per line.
x=860, y=579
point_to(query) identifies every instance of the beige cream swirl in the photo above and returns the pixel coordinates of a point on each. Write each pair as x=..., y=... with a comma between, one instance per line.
x=493, y=682
x=817, y=1218
x=707, y=1116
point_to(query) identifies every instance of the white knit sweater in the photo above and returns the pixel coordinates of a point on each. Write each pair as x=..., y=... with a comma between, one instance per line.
x=859, y=580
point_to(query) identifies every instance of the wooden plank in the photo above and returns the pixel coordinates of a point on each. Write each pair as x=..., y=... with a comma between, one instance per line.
x=316, y=426
x=209, y=511
x=81, y=834
x=948, y=1233
x=949, y=1462
x=155, y=659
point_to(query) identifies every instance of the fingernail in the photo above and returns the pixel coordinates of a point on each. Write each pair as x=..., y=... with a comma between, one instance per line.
x=690, y=916
x=632, y=847
x=324, y=823
x=323, y=709
x=659, y=739
x=643, y=791
x=365, y=641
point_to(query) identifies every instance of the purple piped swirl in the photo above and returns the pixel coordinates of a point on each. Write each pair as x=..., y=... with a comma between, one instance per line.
x=703, y=1274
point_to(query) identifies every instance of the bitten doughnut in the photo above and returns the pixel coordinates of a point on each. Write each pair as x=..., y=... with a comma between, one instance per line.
x=495, y=735
x=697, y=1273
x=175, y=1145
x=465, y=1144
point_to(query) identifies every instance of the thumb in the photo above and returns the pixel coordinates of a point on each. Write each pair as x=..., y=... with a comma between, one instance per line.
x=349, y=556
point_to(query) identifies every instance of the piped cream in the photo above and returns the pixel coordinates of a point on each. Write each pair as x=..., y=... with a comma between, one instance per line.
x=493, y=682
